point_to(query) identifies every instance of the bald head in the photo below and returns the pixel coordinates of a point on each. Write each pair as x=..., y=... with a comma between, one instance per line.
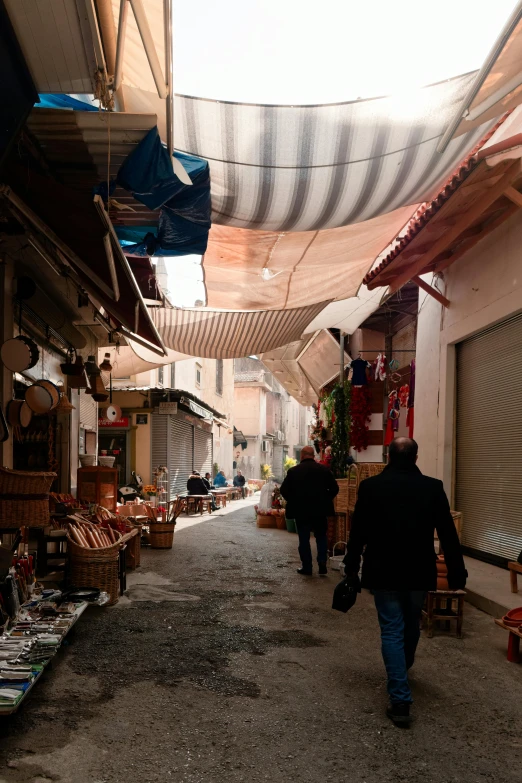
x=403, y=451
x=307, y=453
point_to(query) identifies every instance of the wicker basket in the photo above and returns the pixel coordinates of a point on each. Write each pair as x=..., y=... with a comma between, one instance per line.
x=24, y=498
x=280, y=522
x=266, y=520
x=96, y=568
x=161, y=534
x=341, y=499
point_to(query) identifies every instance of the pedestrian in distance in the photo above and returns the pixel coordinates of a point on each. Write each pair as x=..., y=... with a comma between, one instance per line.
x=239, y=482
x=393, y=529
x=220, y=481
x=309, y=490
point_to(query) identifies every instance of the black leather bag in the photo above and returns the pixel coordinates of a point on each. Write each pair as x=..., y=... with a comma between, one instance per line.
x=345, y=594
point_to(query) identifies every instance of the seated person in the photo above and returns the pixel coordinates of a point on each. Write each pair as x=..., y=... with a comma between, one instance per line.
x=240, y=481
x=197, y=486
x=220, y=481
x=207, y=481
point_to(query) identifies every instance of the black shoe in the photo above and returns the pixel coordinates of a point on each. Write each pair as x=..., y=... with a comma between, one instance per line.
x=399, y=714
x=304, y=571
x=323, y=570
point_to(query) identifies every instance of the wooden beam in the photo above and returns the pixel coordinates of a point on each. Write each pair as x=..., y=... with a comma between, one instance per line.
x=446, y=260
x=514, y=196
x=473, y=213
x=431, y=291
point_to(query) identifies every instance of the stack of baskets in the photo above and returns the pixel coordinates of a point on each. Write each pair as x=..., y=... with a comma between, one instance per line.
x=24, y=498
x=96, y=567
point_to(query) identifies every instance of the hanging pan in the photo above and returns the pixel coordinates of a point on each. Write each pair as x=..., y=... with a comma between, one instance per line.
x=25, y=414
x=19, y=354
x=53, y=390
x=38, y=399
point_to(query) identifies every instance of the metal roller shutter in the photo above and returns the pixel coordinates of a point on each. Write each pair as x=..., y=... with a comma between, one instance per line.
x=181, y=454
x=202, y=451
x=160, y=442
x=488, y=489
x=88, y=412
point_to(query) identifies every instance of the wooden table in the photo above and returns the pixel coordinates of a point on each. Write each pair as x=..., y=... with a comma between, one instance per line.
x=515, y=635
x=198, y=503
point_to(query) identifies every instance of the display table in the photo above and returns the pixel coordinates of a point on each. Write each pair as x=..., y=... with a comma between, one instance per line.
x=37, y=668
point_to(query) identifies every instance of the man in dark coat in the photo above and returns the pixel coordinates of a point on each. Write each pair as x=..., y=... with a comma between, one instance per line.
x=309, y=489
x=239, y=482
x=394, y=523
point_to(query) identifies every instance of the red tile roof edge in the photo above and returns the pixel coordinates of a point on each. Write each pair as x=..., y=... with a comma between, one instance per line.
x=429, y=209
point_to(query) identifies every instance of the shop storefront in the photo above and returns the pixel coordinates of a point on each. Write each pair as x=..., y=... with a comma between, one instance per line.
x=488, y=452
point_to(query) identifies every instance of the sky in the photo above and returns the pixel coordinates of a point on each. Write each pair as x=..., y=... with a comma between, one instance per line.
x=311, y=51
x=324, y=51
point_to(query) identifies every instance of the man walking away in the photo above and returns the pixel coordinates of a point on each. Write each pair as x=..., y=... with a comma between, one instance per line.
x=239, y=482
x=394, y=522
x=309, y=490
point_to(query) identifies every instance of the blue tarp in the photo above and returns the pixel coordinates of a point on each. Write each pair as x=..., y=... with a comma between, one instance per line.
x=184, y=209
x=51, y=100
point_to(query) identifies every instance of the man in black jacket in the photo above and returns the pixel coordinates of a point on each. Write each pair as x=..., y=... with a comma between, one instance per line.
x=394, y=522
x=239, y=482
x=309, y=489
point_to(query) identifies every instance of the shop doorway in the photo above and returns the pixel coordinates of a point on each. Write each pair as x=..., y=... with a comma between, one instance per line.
x=116, y=444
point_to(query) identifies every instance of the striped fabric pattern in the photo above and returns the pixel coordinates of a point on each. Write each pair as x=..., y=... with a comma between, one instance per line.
x=229, y=335
x=307, y=168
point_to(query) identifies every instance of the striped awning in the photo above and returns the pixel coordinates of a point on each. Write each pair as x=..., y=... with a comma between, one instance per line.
x=307, y=168
x=229, y=335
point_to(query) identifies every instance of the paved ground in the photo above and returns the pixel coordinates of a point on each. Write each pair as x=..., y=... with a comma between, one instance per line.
x=224, y=665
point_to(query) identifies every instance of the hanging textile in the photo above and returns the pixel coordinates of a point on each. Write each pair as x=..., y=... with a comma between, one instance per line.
x=410, y=419
x=184, y=220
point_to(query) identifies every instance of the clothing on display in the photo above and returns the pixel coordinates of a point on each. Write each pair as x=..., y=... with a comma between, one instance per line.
x=359, y=369
x=410, y=420
x=379, y=368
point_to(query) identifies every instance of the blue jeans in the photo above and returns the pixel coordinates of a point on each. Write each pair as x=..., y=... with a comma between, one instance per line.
x=305, y=552
x=399, y=617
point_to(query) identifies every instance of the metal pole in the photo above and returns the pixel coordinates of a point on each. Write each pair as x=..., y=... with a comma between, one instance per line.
x=179, y=170
x=481, y=76
x=341, y=361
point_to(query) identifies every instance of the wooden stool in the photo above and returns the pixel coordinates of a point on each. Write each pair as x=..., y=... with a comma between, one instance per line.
x=444, y=605
x=514, y=570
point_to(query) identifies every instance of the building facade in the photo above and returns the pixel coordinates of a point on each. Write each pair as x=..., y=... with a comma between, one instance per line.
x=273, y=423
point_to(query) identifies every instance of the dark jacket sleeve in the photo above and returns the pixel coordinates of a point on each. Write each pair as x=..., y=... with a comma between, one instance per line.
x=358, y=532
x=449, y=541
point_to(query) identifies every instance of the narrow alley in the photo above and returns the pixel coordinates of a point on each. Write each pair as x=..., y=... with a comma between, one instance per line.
x=222, y=664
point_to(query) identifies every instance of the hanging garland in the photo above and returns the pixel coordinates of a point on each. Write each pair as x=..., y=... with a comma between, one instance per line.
x=342, y=423
x=361, y=411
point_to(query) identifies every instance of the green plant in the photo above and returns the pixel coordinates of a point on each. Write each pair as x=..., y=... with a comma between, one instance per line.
x=290, y=462
x=215, y=469
x=266, y=472
x=341, y=429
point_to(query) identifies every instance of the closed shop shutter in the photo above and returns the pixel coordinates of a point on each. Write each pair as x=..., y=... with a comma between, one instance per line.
x=181, y=454
x=88, y=412
x=488, y=485
x=202, y=451
x=160, y=442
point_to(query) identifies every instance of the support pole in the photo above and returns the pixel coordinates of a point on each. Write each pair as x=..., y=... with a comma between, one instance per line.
x=341, y=362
